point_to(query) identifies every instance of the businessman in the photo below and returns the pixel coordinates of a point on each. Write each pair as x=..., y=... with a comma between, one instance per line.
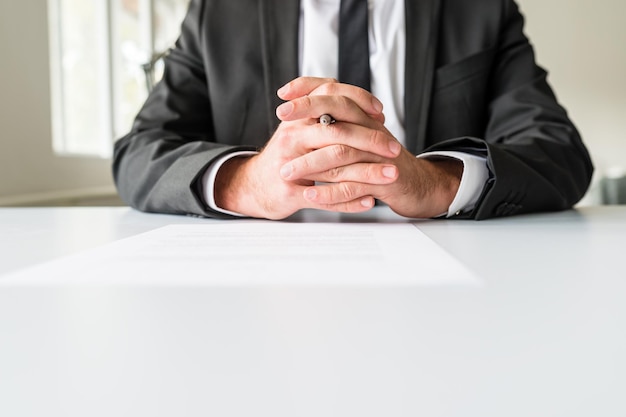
x=433, y=107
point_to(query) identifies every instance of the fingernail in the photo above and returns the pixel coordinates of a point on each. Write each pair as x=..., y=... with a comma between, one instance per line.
x=286, y=171
x=389, y=172
x=310, y=193
x=394, y=147
x=284, y=109
x=367, y=202
x=378, y=106
x=283, y=90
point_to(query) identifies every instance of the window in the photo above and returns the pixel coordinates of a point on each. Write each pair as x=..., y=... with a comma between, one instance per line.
x=98, y=52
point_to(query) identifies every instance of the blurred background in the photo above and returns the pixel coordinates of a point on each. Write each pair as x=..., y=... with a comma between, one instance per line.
x=73, y=73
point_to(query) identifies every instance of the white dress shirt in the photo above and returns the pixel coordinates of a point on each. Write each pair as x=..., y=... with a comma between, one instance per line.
x=318, y=57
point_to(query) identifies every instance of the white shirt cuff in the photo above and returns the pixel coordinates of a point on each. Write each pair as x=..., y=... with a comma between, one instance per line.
x=473, y=180
x=208, y=181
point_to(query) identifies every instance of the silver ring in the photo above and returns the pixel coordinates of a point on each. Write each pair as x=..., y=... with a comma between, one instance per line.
x=327, y=119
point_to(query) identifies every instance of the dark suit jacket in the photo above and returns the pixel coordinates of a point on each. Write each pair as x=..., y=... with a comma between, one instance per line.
x=471, y=85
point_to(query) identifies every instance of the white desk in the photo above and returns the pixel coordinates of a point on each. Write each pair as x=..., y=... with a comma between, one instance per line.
x=544, y=336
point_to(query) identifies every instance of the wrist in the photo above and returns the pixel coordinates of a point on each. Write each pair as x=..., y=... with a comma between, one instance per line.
x=444, y=175
x=450, y=172
x=231, y=184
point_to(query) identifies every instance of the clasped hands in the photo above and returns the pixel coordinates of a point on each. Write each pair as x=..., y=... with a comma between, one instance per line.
x=339, y=167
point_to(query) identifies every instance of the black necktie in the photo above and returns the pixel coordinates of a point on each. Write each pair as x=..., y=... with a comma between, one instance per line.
x=354, y=55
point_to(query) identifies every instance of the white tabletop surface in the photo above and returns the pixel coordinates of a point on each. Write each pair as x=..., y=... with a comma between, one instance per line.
x=544, y=336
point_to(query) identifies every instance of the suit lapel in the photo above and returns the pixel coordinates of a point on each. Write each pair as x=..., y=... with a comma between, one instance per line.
x=422, y=29
x=279, y=40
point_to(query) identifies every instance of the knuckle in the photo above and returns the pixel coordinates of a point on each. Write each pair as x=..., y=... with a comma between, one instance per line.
x=333, y=88
x=302, y=165
x=343, y=101
x=363, y=95
x=334, y=132
x=347, y=191
x=284, y=134
x=341, y=152
x=371, y=173
x=334, y=174
x=327, y=89
x=378, y=139
x=339, y=101
x=303, y=102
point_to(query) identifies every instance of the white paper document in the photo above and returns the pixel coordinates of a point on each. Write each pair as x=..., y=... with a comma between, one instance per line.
x=260, y=253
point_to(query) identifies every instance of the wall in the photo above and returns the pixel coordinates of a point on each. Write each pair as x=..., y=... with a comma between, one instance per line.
x=581, y=43
x=29, y=171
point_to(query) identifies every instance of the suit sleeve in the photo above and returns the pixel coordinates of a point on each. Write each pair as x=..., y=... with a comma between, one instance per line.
x=157, y=167
x=535, y=155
